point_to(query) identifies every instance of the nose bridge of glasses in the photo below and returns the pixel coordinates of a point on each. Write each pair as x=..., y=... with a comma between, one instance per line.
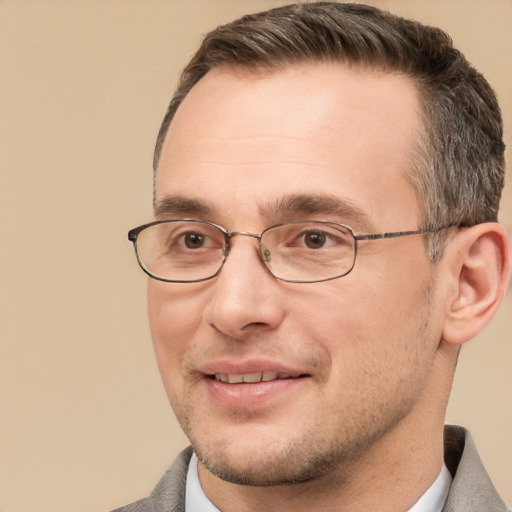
x=244, y=233
x=233, y=234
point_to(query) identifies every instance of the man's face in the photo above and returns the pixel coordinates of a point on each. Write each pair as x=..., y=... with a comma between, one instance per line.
x=346, y=360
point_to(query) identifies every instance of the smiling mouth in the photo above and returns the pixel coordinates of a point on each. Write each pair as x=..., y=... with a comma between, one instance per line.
x=253, y=377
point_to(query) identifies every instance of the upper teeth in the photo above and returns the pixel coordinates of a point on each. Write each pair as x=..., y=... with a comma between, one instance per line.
x=250, y=377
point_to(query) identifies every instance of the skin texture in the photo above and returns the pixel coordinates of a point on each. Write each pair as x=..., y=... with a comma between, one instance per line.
x=372, y=374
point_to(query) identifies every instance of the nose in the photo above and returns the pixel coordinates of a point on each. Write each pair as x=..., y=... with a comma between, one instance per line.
x=246, y=298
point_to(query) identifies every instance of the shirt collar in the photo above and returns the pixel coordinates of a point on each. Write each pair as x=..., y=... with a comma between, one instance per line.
x=195, y=498
x=432, y=501
x=434, y=498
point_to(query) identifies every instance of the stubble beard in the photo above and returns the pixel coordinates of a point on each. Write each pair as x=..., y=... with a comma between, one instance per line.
x=317, y=454
x=318, y=451
x=301, y=461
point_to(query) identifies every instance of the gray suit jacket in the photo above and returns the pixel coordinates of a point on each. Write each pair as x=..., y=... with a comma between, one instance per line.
x=471, y=490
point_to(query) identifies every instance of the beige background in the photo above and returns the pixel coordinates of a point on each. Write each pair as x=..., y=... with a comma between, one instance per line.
x=84, y=423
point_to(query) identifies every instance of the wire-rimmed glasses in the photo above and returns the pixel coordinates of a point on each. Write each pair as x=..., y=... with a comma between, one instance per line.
x=189, y=250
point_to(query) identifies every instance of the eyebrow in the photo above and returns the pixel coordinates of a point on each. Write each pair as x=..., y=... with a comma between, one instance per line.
x=171, y=206
x=290, y=206
x=294, y=205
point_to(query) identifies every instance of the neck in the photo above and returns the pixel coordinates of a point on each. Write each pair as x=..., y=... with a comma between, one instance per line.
x=390, y=476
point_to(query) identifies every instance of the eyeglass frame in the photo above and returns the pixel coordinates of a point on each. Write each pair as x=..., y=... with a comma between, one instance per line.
x=229, y=235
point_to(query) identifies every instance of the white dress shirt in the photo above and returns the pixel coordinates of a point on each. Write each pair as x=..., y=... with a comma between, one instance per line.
x=432, y=501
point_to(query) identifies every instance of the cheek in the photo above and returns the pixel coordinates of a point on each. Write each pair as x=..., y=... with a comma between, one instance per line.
x=363, y=327
x=173, y=308
x=175, y=314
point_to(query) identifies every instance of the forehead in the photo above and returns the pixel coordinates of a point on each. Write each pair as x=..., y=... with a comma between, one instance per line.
x=313, y=128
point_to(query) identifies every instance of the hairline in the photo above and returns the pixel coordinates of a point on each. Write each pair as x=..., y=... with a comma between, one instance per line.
x=262, y=68
x=417, y=156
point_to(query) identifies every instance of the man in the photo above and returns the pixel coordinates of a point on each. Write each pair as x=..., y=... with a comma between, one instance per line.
x=327, y=180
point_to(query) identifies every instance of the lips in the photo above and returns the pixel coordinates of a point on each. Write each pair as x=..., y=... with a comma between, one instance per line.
x=263, y=376
x=249, y=384
x=249, y=371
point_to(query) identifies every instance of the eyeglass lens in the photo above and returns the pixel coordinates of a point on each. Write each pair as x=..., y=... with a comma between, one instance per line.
x=297, y=251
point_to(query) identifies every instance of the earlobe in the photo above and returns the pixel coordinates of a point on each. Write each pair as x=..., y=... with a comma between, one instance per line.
x=479, y=262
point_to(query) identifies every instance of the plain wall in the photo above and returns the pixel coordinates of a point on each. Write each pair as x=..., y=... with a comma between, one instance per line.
x=84, y=422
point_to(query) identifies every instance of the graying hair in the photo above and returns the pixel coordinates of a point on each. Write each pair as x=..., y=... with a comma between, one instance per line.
x=458, y=166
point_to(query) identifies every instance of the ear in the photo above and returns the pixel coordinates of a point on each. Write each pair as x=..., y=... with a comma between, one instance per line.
x=478, y=260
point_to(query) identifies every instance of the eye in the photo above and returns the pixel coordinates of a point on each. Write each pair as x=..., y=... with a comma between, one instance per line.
x=193, y=240
x=315, y=239
x=190, y=237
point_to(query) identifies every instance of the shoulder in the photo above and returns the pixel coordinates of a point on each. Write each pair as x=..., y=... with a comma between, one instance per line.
x=169, y=493
x=471, y=489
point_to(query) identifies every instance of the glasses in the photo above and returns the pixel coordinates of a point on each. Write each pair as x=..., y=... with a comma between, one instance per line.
x=190, y=251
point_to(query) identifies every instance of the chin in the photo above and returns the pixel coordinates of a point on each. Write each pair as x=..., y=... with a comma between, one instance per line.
x=266, y=473
x=269, y=462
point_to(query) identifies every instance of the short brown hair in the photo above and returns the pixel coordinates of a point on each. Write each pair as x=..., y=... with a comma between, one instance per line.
x=458, y=172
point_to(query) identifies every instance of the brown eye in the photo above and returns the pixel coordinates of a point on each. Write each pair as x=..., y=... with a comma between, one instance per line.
x=314, y=240
x=193, y=240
